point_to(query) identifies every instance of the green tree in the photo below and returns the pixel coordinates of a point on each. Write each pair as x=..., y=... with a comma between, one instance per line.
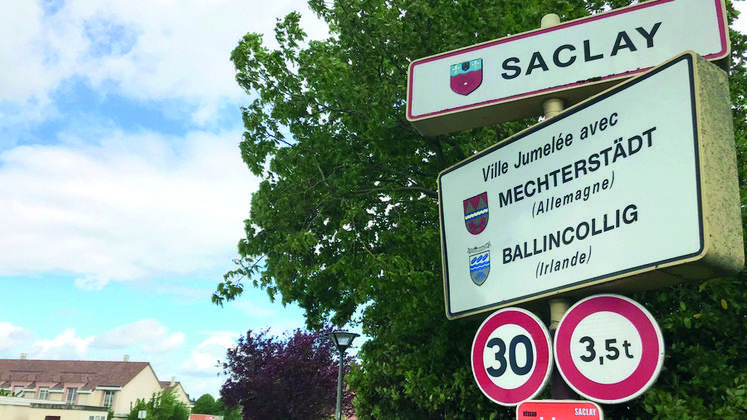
x=346, y=218
x=160, y=406
x=206, y=404
x=228, y=413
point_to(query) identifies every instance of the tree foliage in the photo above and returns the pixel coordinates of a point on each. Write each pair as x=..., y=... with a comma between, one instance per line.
x=346, y=220
x=160, y=406
x=207, y=404
x=228, y=413
x=290, y=379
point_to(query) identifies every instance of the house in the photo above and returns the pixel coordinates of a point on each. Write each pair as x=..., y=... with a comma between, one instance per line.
x=177, y=389
x=112, y=385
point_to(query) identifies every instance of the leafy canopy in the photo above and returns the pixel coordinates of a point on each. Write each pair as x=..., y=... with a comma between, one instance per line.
x=160, y=406
x=206, y=404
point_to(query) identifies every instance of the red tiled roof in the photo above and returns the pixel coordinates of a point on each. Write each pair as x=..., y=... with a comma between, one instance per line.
x=54, y=372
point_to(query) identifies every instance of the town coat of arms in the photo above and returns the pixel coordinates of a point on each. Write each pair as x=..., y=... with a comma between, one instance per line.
x=466, y=76
x=479, y=263
x=476, y=213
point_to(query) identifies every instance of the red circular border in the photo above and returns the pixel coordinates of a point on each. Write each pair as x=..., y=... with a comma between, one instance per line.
x=543, y=360
x=652, y=349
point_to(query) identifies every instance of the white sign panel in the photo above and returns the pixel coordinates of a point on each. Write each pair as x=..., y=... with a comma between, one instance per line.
x=593, y=50
x=604, y=189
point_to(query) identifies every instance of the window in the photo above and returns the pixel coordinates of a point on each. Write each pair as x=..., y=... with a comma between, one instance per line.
x=108, y=399
x=71, y=394
x=51, y=417
x=96, y=417
x=43, y=393
x=18, y=391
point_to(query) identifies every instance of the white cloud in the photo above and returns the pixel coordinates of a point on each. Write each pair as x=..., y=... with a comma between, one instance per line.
x=148, y=333
x=741, y=23
x=171, y=342
x=265, y=314
x=257, y=308
x=205, y=357
x=141, y=49
x=65, y=346
x=21, y=55
x=129, y=207
x=91, y=283
x=12, y=336
x=200, y=373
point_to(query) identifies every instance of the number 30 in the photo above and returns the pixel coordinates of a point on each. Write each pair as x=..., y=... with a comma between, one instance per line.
x=500, y=356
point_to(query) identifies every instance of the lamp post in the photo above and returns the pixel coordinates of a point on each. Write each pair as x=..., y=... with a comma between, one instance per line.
x=342, y=340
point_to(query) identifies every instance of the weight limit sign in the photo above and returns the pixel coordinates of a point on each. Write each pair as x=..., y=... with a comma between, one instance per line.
x=511, y=356
x=609, y=348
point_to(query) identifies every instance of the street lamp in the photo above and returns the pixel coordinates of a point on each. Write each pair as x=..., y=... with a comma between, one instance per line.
x=342, y=340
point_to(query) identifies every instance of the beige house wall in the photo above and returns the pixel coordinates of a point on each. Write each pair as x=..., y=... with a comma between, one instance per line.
x=41, y=413
x=84, y=398
x=14, y=412
x=97, y=398
x=56, y=396
x=181, y=395
x=24, y=409
x=144, y=385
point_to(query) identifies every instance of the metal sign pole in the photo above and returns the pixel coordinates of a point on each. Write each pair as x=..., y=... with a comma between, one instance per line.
x=553, y=106
x=558, y=388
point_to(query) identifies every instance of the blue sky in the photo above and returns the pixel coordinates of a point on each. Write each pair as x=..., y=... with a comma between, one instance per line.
x=122, y=192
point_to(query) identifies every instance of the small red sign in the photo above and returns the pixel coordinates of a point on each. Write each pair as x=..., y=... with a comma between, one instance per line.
x=558, y=410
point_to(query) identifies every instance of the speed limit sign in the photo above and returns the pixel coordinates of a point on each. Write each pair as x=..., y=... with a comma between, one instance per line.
x=511, y=356
x=609, y=348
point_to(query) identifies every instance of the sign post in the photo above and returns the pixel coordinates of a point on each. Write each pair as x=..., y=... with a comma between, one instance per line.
x=573, y=202
x=511, y=356
x=609, y=348
x=570, y=205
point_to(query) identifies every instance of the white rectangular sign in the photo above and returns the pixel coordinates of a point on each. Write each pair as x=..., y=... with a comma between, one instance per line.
x=507, y=79
x=605, y=189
